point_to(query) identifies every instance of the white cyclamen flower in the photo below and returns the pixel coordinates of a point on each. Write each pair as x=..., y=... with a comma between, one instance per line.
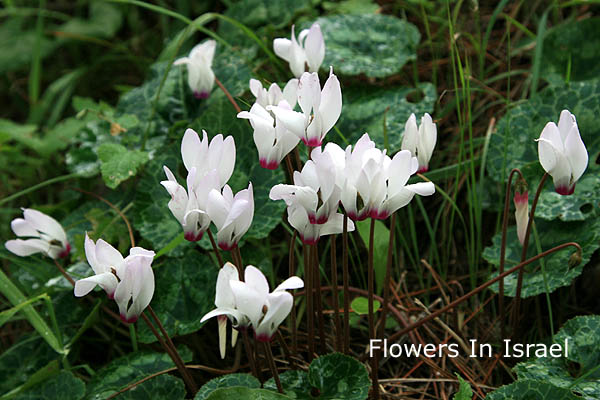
x=136, y=284
x=217, y=155
x=225, y=302
x=45, y=235
x=189, y=206
x=310, y=233
x=232, y=215
x=266, y=311
x=272, y=139
x=124, y=279
x=201, y=77
x=107, y=263
x=421, y=140
x=320, y=108
x=309, y=49
x=314, y=189
x=365, y=173
x=274, y=95
x=398, y=193
x=562, y=153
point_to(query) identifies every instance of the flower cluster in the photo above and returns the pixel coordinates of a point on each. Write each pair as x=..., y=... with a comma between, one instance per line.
x=126, y=280
x=365, y=180
x=249, y=303
x=208, y=197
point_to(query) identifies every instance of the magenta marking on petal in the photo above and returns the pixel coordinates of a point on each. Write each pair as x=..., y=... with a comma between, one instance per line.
x=201, y=95
x=352, y=215
x=377, y=214
x=521, y=198
x=565, y=190
x=268, y=164
x=322, y=219
x=263, y=337
x=192, y=237
x=312, y=142
x=111, y=296
x=310, y=241
x=221, y=317
x=65, y=252
x=422, y=169
x=312, y=218
x=227, y=246
x=124, y=318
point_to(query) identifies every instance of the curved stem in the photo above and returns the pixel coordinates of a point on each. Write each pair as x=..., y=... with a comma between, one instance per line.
x=524, y=253
x=271, y=361
x=503, y=248
x=308, y=280
x=215, y=248
x=292, y=271
x=388, y=275
x=229, y=97
x=336, y=306
x=370, y=279
x=345, y=278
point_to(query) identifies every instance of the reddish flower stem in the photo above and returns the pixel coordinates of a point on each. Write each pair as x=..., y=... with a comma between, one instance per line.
x=229, y=96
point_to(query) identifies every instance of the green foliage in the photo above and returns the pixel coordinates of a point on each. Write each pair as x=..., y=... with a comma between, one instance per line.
x=360, y=305
x=333, y=376
x=574, y=45
x=581, y=205
x=157, y=388
x=123, y=371
x=376, y=45
x=579, y=371
x=256, y=13
x=185, y=290
x=16, y=36
x=119, y=164
x=227, y=381
x=245, y=393
x=369, y=110
x=22, y=360
x=464, y=390
x=531, y=390
x=351, y=7
x=558, y=270
x=104, y=21
x=514, y=146
x=381, y=235
x=64, y=386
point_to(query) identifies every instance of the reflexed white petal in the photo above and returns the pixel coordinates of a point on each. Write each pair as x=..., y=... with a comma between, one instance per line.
x=427, y=139
x=27, y=247
x=223, y=294
x=190, y=148
x=108, y=255
x=565, y=124
x=45, y=224
x=182, y=60
x=255, y=279
x=107, y=281
x=248, y=301
x=226, y=160
x=576, y=153
x=294, y=121
x=331, y=103
x=547, y=154
x=411, y=132
x=143, y=285
x=23, y=228
x=216, y=208
x=279, y=306
x=314, y=46
x=400, y=170
x=309, y=93
x=282, y=48
x=422, y=188
x=290, y=92
x=293, y=282
x=90, y=254
x=240, y=318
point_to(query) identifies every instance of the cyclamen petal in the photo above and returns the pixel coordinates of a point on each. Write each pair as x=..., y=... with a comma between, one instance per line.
x=44, y=235
x=562, y=153
x=307, y=49
x=201, y=77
